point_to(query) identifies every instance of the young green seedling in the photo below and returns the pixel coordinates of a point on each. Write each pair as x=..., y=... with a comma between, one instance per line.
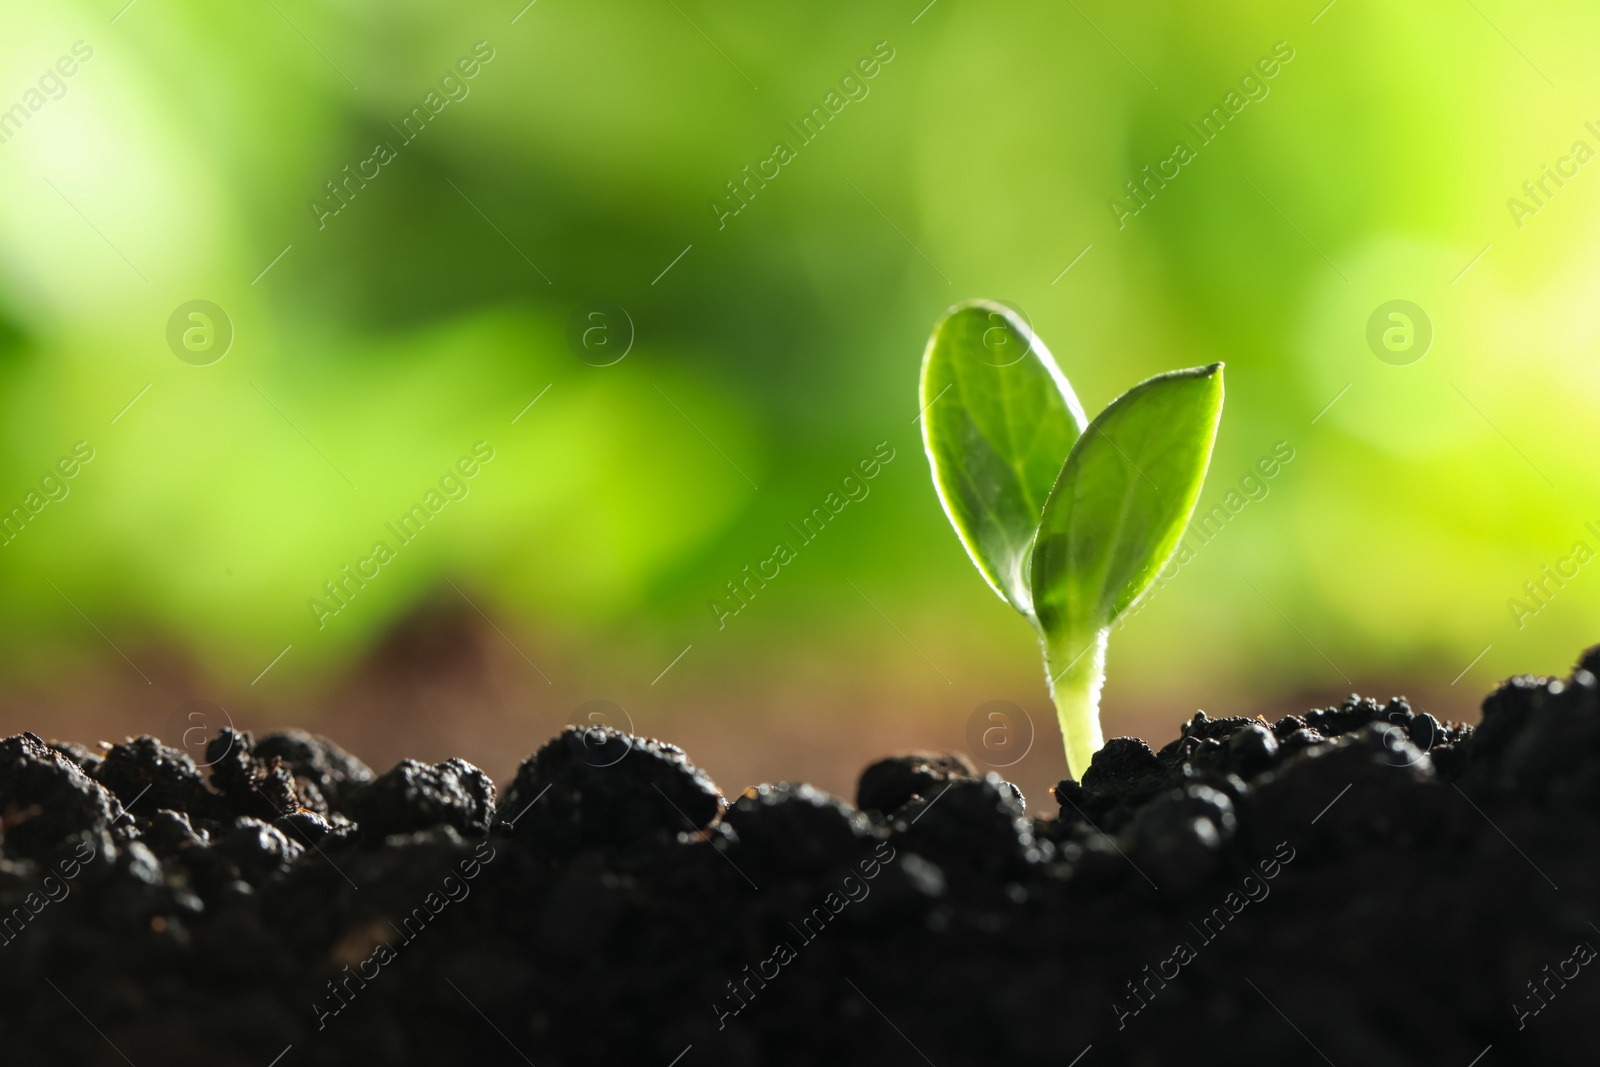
x=1069, y=521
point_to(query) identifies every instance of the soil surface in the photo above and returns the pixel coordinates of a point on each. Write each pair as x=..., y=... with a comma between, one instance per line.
x=1360, y=885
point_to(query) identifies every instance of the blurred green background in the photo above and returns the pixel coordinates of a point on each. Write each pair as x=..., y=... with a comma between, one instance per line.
x=772, y=350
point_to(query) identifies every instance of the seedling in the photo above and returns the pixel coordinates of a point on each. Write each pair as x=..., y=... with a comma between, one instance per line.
x=1069, y=521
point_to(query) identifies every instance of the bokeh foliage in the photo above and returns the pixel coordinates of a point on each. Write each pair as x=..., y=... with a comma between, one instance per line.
x=981, y=163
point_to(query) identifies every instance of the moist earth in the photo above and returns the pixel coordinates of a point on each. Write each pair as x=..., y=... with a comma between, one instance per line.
x=1361, y=885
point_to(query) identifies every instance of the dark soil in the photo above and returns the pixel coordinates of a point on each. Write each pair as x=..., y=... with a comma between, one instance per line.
x=1360, y=885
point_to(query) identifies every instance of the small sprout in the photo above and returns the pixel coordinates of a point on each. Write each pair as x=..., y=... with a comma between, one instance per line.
x=1068, y=522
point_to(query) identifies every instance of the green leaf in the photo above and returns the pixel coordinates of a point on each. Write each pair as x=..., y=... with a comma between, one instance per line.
x=1123, y=499
x=999, y=420
x=1111, y=523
